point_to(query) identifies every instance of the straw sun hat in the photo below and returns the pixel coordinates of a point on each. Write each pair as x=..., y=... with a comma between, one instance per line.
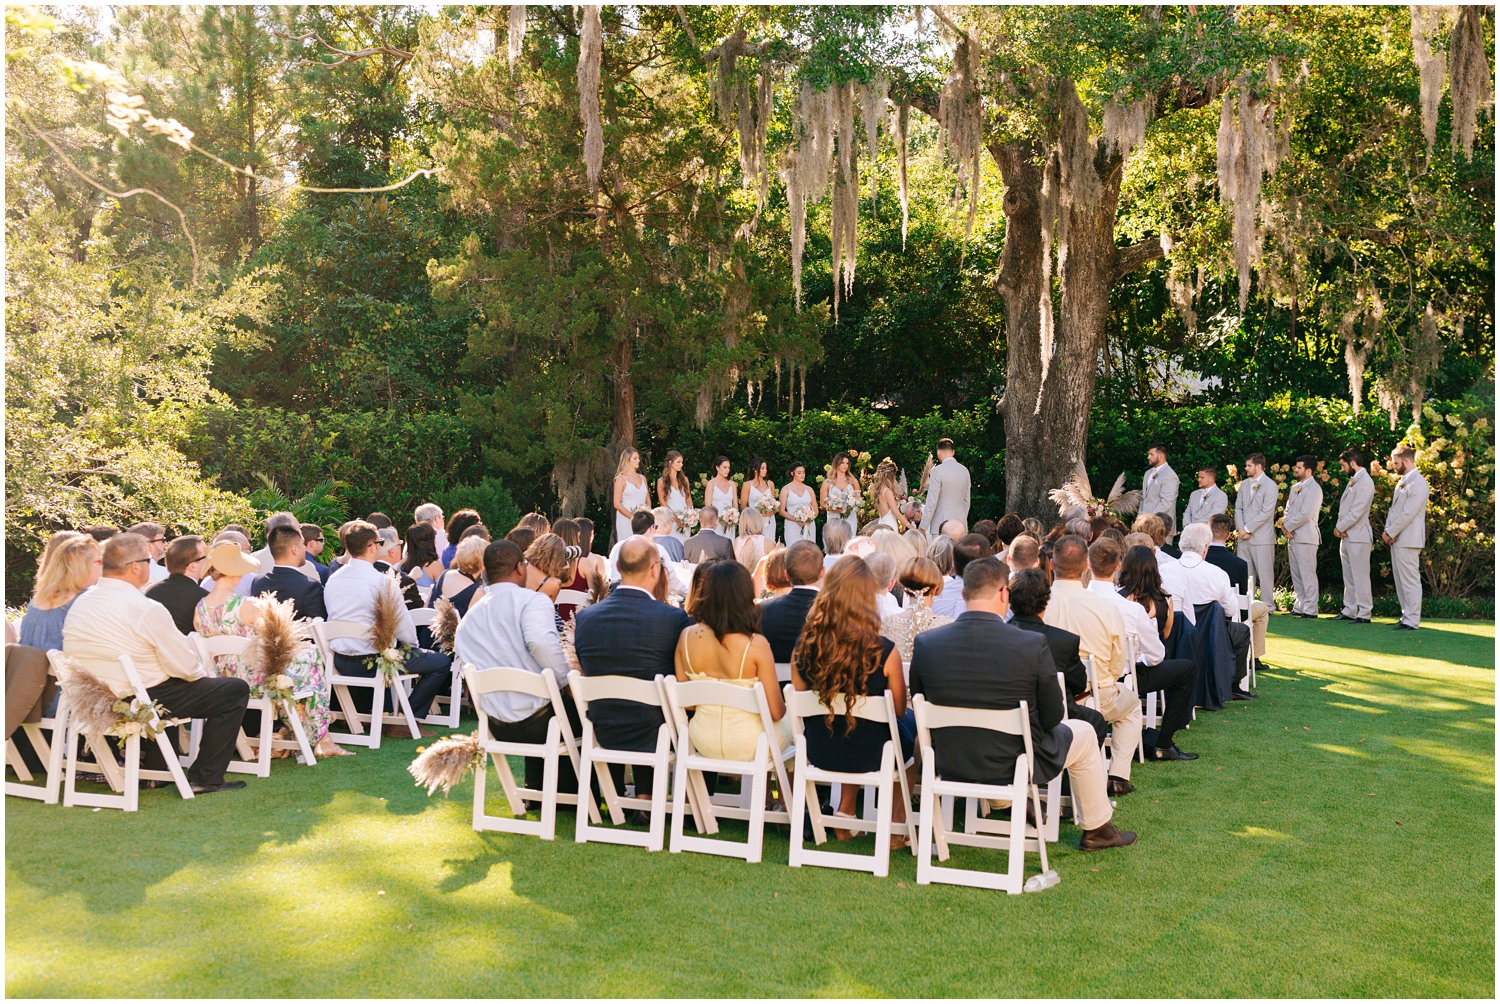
x=227, y=559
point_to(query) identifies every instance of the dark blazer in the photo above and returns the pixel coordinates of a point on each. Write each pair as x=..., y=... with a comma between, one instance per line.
x=1064, y=647
x=288, y=583
x=673, y=546
x=410, y=596
x=1237, y=568
x=1171, y=549
x=180, y=595
x=707, y=544
x=628, y=633
x=979, y=661
x=781, y=620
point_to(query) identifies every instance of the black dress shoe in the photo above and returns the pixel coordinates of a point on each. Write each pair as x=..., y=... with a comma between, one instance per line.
x=149, y=783
x=1406, y=627
x=1243, y=695
x=1164, y=753
x=209, y=789
x=1361, y=620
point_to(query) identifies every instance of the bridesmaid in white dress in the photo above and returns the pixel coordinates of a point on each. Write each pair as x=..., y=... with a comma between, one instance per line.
x=630, y=491
x=796, y=495
x=841, y=479
x=721, y=495
x=883, y=484
x=674, y=491
x=758, y=486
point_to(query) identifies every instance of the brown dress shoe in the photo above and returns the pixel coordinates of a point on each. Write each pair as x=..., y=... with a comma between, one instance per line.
x=1119, y=786
x=1104, y=837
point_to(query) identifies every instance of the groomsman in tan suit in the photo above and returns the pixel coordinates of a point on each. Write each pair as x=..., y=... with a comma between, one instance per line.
x=1254, y=522
x=1159, y=485
x=1208, y=500
x=1299, y=521
x=1406, y=533
x=1355, y=536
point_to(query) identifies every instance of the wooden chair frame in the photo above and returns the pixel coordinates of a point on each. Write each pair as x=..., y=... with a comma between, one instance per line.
x=260, y=763
x=326, y=633
x=129, y=797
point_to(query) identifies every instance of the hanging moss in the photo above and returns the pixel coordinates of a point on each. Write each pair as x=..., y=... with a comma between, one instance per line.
x=517, y=33
x=1468, y=78
x=590, y=58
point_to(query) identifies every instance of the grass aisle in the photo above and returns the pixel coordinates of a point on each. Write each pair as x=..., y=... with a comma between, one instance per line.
x=1336, y=839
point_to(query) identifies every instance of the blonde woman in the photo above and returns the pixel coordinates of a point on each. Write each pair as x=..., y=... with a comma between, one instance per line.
x=883, y=488
x=752, y=545
x=549, y=565
x=70, y=563
x=460, y=584
x=845, y=489
x=923, y=583
x=630, y=492
x=917, y=541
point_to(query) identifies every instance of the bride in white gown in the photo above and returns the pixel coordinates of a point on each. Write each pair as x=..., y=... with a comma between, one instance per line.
x=883, y=487
x=759, y=486
x=795, y=497
x=674, y=491
x=630, y=491
x=721, y=494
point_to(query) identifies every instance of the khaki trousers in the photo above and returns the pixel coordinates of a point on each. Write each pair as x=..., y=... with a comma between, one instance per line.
x=1355, y=557
x=1259, y=617
x=1086, y=777
x=1121, y=707
x=1262, y=561
x=1406, y=567
x=1304, y=561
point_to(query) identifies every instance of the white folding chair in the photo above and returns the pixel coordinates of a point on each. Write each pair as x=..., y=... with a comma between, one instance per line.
x=260, y=766
x=129, y=797
x=889, y=778
x=571, y=597
x=680, y=696
x=448, y=717
x=422, y=616
x=1014, y=835
x=49, y=753
x=326, y=633
x=783, y=672
x=1244, y=603
x=559, y=741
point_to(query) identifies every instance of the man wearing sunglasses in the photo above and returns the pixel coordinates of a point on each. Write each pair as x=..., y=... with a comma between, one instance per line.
x=156, y=547
x=179, y=592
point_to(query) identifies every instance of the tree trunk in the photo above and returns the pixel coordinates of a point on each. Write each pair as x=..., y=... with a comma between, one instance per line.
x=622, y=424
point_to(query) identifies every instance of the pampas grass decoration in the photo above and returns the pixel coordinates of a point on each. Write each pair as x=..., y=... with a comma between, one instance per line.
x=387, y=619
x=280, y=637
x=445, y=625
x=90, y=699
x=598, y=588
x=446, y=762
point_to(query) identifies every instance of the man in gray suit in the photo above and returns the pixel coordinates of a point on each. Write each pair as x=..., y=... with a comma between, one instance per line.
x=708, y=542
x=1355, y=536
x=1208, y=500
x=1299, y=521
x=1406, y=533
x=947, y=491
x=1159, y=485
x=1254, y=522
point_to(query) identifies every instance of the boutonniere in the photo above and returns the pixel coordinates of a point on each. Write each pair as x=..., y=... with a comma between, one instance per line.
x=1296, y=490
x=1255, y=486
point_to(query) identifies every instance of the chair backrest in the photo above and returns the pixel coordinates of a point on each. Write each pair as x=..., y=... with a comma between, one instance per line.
x=613, y=688
x=573, y=597
x=327, y=632
x=220, y=644
x=422, y=616
x=1013, y=722
x=505, y=679
x=134, y=676
x=806, y=704
x=1244, y=602
x=691, y=693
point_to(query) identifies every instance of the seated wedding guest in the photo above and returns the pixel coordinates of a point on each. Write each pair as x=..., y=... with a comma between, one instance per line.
x=708, y=542
x=1029, y=593
x=70, y=563
x=351, y=596
x=549, y=565
x=422, y=562
x=1025, y=553
x=642, y=524
x=114, y=618
x=953, y=528
x=771, y=577
x=1139, y=581
x=1113, y=533
x=225, y=612
x=841, y=654
x=1169, y=527
x=521, y=536
x=979, y=661
x=860, y=547
x=285, y=580
x=1203, y=584
x=461, y=521
x=883, y=568
x=1171, y=571
x=510, y=625
x=241, y=541
x=781, y=619
x=380, y=521
x=312, y=545
x=1101, y=633
x=156, y=546
x=726, y=644
x=1033, y=527
x=923, y=584
x=389, y=559
x=666, y=525
x=917, y=541
x=101, y=533
x=751, y=546
x=482, y=532
x=263, y=556
x=592, y=563
x=1152, y=525
x=890, y=542
x=1007, y=530
x=179, y=592
x=949, y=601
x=629, y=633
x=460, y=583
x=1079, y=527
x=989, y=530
x=536, y=522
x=836, y=537
x=236, y=528
x=1221, y=525
x=571, y=535
x=431, y=514
x=970, y=547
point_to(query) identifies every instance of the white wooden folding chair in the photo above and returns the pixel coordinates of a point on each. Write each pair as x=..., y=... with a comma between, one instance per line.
x=449, y=702
x=783, y=672
x=260, y=766
x=50, y=753
x=594, y=759
x=751, y=804
x=1244, y=604
x=326, y=633
x=888, y=779
x=571, y=597
x=422, y=616
x=560, y=741
x=129, y=797
x=1014, y=835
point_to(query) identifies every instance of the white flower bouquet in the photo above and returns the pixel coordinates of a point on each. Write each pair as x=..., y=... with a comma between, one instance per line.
x=767, y=505
x=803, y=515
x=730, y=517
x=841, y=501
x=686, y=519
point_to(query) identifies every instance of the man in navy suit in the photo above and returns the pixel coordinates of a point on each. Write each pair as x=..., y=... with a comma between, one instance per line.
x=629, y=633
x=781, y=619
x=312, y=543
x=979, y=661
x=286, y=580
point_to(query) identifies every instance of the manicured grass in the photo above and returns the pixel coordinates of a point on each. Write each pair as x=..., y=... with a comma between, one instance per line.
x=1335, y=839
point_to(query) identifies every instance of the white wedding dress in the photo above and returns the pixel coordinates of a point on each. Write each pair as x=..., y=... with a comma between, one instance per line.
x=755, y=496
x=791, y=531
x=632, y=498
x=722, y=500
x=677, y=502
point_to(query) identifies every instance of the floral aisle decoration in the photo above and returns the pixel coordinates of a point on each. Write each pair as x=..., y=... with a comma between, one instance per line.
x=444, y=625
x=97, y=708
x=389, y=659
x=280, y=638
x=1076, y=498
x=447, y=762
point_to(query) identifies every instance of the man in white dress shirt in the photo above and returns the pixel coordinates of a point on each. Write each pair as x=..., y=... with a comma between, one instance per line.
x=644, y=524
x=1206, y=583
x=1207, y=500
x=1160, y=484
x=1299, y=521
x=1406, y=533
x=1355, y=537
x=510, y=625
x=947, y=491
x=1254, y=521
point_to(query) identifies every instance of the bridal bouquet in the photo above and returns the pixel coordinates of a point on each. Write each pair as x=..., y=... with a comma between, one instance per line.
x=841, y=501
x=730, y=517
x=803, y=515
x=686, y=519
x=767, y=505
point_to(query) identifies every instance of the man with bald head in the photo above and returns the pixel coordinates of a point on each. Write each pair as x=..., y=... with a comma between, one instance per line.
x=629, y=633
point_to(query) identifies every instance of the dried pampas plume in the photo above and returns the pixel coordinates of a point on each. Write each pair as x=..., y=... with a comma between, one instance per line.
x=590, y=58
x=446, y=762
x=387, y=619
x=278, y=639
x=445, y=624
x=1077, y=494
x=89, y=699
x=598, y=587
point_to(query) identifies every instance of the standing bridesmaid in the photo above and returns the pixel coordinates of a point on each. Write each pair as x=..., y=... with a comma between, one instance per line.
x=759, y=486
x=842, y=480
x=630, y=491
x=796, y=496
x=721, y=494
x=674, y=491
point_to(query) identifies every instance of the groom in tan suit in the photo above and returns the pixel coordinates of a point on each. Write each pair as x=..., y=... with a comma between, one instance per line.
x=947, y=491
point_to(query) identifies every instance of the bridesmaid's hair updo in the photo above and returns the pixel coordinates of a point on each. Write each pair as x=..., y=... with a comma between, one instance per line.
x=756, y=464
x=796, y=465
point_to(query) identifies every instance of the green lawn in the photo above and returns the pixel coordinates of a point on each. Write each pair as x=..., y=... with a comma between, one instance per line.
x=1335, y=839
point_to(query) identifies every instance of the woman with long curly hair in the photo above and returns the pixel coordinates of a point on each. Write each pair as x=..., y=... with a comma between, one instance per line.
x=841, y=653
x=883, y=493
